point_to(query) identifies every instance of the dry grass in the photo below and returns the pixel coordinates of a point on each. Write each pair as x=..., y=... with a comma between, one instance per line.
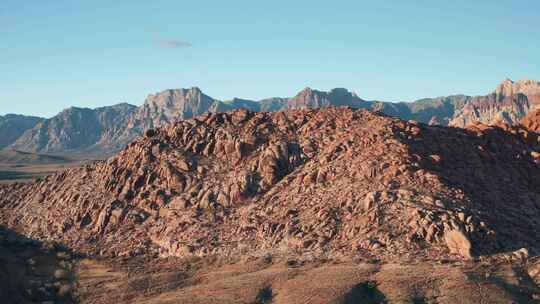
x=17, y=166
x=259, y=282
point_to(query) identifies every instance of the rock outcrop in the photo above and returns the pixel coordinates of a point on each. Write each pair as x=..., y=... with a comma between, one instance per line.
x=334, y=182
x=532, y=121
x=172, y=105
x=509, y=103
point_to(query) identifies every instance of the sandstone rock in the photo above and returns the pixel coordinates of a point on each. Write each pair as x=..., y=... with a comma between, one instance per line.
x=534, y=272
x=458, y=243
x=337, y=181
x=178, y=203
x=370, y=200
x=184, y=165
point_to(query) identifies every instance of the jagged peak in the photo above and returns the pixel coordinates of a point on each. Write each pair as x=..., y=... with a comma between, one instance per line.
x=182, y=91
x=525, y=86
x=174, y=96
x=308, y=91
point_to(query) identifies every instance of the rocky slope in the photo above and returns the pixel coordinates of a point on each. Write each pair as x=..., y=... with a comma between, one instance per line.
x=335, y=182
x=78, y=129
x=13, y=126
x=83, y=130
x=532, y=121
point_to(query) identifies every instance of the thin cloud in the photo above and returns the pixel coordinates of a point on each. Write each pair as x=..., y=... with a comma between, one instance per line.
x=174, y=44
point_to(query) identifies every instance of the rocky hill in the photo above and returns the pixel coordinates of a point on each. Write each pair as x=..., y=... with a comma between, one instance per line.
x=13, y=126
x=336, y=182
x=107, y=130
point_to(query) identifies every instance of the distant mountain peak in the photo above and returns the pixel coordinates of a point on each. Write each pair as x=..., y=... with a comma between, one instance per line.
x=195, y=89
x=342, y=92
x=12, y=126
x=509, y=87
x=306, y=91
x=111, y=128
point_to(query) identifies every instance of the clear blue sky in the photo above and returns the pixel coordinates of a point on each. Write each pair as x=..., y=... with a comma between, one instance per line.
x=56, y=54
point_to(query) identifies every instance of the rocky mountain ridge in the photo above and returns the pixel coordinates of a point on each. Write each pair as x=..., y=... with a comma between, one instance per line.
x=78, y=129
x=509, y=103
x=12, y=126
x=106, y=130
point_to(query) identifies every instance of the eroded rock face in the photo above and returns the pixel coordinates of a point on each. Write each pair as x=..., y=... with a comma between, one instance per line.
x=532, y=121
x=330, y=182
x=169, y=106
x=458, y=243
x=534, y=272
x=509, y=103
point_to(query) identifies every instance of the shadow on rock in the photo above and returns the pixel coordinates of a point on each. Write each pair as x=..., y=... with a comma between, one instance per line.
x=494, y=169
x=33, y=271
x=366, y=293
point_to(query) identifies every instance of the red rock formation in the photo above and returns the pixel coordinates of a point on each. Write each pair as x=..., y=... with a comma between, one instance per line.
x=509, y=103
x=335, y=181
x=532, y=121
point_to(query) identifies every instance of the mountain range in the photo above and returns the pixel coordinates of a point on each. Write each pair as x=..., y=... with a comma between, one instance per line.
x=13, y=126
x=106, y=130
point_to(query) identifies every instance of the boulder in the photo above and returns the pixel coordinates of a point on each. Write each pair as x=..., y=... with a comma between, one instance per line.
x=458, y=243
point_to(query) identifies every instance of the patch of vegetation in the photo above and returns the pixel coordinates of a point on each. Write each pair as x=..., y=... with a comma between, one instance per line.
x=365, y=293
x=264, y=296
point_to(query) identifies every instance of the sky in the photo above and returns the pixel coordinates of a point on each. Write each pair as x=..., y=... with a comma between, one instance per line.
x=61, y=53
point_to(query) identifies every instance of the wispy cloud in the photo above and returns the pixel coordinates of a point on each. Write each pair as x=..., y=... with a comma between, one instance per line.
x=174, y=44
